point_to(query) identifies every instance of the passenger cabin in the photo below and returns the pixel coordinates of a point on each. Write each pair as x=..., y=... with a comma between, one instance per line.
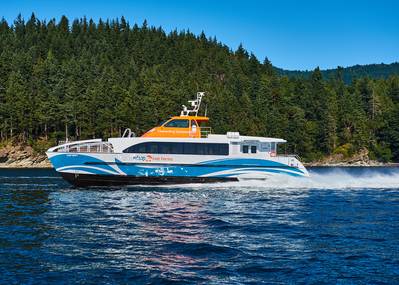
x=229, y=144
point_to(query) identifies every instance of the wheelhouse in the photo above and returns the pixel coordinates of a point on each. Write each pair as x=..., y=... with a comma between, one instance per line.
x=181, y=127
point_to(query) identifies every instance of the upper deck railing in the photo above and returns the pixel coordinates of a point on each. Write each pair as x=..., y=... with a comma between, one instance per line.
x=88, y=147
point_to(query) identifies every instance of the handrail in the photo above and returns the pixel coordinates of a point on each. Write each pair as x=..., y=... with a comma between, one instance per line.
x=76, y=142
x=205, y=131
x=291, y=155
x=128, y=133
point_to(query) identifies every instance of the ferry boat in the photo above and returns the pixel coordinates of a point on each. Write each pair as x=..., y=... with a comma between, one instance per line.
x=181, y=150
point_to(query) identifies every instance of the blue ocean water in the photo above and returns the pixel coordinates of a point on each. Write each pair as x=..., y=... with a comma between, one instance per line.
x=340, y=226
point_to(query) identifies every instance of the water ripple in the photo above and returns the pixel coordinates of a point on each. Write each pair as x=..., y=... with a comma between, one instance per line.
x=243, y=233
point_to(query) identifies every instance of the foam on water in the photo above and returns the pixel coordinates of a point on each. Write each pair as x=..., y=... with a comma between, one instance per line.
x=334, y=178
x=320, y=178
x=340, y=179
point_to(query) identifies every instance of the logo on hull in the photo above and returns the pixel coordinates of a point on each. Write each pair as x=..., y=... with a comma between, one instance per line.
x=150, y=158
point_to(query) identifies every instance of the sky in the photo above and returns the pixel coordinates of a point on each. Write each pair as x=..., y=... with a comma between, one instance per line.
x=294, y=35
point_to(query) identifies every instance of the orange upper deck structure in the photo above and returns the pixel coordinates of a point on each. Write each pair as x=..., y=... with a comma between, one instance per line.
x=183, y=126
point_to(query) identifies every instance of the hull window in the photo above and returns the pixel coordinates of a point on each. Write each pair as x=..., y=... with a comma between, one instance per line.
x=180, y=148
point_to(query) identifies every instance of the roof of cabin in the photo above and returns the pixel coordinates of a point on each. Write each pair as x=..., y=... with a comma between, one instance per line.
x=245, y=138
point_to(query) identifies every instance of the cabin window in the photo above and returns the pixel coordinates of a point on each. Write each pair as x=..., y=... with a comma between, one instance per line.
x=189, y=148
x=265, y=147
x=142, y=148
x=249, y=149
x=161, y=148
x=180, y=148
x=177, y=124
x=177, y=148
x=152, y=147
x=201, y=149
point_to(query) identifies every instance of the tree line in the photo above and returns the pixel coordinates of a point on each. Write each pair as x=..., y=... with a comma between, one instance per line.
x=87, y=79
x=350, y=73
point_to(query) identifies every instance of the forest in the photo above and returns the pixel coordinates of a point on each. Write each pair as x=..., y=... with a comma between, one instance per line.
x=91, y=79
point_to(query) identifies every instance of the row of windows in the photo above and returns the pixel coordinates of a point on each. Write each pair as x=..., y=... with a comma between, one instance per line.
x=262, y=147
x=179, y=148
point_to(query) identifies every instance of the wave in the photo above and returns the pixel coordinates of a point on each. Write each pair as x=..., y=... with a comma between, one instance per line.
x=345, y=178
x=320, y=178
x=339, y=178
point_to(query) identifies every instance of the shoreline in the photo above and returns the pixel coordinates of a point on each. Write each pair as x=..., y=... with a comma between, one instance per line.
x=25, y=167
x=355, y=163
x=46, y=165
x=349, y=165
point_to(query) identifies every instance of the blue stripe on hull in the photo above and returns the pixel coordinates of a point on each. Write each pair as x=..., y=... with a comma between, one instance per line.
x=231, y=167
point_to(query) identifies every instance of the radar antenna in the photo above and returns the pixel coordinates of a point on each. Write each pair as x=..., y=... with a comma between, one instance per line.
x=196, y=104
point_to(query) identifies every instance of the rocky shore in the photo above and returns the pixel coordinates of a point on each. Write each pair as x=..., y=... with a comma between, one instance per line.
x=371, y=163
x=360, y=159
x=19, y=156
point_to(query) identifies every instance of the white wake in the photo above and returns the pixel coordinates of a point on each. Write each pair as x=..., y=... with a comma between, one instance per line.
x=331, y=179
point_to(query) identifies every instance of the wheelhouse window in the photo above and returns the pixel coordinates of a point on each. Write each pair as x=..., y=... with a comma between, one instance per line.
x=180, y=148
x=245, y=148
x=177, y=124
x=253, y=148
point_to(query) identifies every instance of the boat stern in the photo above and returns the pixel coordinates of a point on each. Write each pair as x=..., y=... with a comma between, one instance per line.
x=73, y=156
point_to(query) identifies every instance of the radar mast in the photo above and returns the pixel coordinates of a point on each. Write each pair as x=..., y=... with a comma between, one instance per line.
x=196, y=104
